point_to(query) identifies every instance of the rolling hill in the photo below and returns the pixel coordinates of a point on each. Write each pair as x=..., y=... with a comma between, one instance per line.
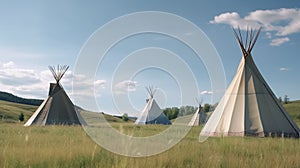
x=12, y=98
x=9, y=111
x=12, y=106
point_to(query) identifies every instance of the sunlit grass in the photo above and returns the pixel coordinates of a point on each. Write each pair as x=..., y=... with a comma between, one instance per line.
x=69, y=146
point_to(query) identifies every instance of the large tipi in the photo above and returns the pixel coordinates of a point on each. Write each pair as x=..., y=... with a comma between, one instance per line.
x=249, y=107
x=152, y=114
x=199, y=118
x=57, y=109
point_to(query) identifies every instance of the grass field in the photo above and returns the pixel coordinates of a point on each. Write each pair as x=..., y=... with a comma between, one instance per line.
x=70, y=146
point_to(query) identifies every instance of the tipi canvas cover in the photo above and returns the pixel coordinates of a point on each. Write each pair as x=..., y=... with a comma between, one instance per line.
x=152, y=114
x=57, y=109
x=198, y=118
x=249, y=107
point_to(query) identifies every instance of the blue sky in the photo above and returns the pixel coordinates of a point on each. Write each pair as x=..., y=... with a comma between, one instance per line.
x=35, y=34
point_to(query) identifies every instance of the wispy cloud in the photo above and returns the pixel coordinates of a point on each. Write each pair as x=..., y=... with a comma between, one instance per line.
x=283, y=69
x=9, y=64
x=279, y=41
x=125, y=86
x=268, y=35
x=206, y=92
x=280, y=22
x=12, y=76
x=83, y=86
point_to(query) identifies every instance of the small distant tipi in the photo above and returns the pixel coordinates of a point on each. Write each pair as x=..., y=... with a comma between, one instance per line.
x=199, y=118
x=249, y=107
x=152, y=114
x=57, y=109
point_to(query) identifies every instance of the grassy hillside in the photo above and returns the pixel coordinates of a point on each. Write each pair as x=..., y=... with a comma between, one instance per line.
x=293, y=109
x=92, y=117
x=9, y=112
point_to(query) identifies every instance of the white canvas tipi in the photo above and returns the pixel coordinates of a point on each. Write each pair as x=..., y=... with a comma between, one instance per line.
x=152, y=114
x=249, y=107
x=199, y=118
x=57, y=109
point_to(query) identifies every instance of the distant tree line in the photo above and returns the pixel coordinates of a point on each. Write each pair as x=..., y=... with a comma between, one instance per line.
x=12, y=98
x=174, y=112
x=171, y=112
x=285, y=100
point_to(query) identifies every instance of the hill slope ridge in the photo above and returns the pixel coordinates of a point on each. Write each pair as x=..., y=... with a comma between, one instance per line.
x=13, y=98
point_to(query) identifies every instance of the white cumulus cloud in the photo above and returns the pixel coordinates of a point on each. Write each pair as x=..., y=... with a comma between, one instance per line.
x=276, y=22
x=234, y=19
x=34, y=83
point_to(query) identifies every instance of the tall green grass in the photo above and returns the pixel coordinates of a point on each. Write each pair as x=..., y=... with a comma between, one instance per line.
x=69, y=146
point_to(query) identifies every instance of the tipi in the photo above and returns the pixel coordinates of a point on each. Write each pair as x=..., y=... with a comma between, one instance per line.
x=57, y=109
x=199, y=117
x=249, y=107
x=152, y=114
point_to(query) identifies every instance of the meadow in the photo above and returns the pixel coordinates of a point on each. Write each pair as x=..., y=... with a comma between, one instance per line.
x=70, y=146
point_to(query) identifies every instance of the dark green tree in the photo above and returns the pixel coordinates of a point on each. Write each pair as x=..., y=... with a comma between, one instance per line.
x=174, y=112
x=286, y=99
x=125, y=117
x=171, y=113
x=21, y=117
x=206, y=107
